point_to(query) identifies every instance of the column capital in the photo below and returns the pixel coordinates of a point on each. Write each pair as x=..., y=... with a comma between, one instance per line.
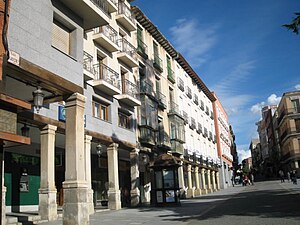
x=208, y=171
x=75, y=99
x=87, y=138
x=196, y=169
x=48, y=129
x=189, y=167
x=112, y=146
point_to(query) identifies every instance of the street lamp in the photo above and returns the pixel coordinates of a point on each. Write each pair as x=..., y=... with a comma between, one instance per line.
x=100, y=150
x=38, y=98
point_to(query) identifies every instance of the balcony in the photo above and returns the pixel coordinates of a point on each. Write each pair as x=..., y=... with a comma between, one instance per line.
x=192, y=123
x=174, y=108
x=142, y=49
x=171, y=75
x=189, y=92
x=199, y=128
x=162, y=100
x=147, y=136
x=94, y=13
x=147, y=88
x=201, y=105
x=88, y=69
x=112, y=6
x=125, y=17
x=127, y=53
x=157, y=63
x=106, y=80
x=163, y=140
x=177, y=131
x=130, y=94
x=185, y=117
x=180, y=84
x=177, y=147
x=106, y=36
x=196, y=99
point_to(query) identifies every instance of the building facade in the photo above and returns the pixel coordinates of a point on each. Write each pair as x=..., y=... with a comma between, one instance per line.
x=223, y=139
x=116, y=97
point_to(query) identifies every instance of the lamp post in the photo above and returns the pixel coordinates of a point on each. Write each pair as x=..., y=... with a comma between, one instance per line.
x=38, y=98
x=99, y=150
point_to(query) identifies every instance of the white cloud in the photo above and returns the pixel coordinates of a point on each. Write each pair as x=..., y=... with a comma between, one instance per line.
x=297, y=87
x=193, y=40
x=243, y=152
x=271, y=100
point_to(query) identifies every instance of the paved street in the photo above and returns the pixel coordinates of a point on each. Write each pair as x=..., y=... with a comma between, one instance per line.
x=270, y=203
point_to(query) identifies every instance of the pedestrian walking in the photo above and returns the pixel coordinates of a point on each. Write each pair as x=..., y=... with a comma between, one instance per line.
x=294, y=176
x=288, y=176
x=281, y=174
x=251, y=178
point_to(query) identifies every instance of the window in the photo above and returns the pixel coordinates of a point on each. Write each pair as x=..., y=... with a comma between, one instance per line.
x=124, y=120
x=100, y=110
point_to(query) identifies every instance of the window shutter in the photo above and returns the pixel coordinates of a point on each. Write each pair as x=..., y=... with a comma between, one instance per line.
x=61, y=38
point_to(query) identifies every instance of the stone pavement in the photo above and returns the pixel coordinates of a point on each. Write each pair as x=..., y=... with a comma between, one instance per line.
x=202, y=210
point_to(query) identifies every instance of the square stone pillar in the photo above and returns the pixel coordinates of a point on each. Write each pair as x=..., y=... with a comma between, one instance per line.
x=87, y=145
x=135, y=174
x=190, y=190
x=114, y=194
x=181, y=177
x=213, y=176
x=75, y=209
x=209, y=188
x=198, y=189
x=218, y=180
x=47, y=191
x=204, y=189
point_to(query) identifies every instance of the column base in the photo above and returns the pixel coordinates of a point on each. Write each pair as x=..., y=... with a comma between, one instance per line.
x=90, y=203
x=198, y=192
x=210, y=190
x=47, y=204
x=75, y=209
x=135, y=197
x=114, y=201
x=190, y=193
x=204, y=191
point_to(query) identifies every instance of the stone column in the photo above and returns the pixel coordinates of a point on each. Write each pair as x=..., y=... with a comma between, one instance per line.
x=198, y=189
x=190, y=190
x=209, y=188
x=204, y=189
x=181, y=177
x=218, y=180
x=114, y=194
x=75, y=209
x=135, y=174
x=47, y=191
x=213, y=176
x=87, y=144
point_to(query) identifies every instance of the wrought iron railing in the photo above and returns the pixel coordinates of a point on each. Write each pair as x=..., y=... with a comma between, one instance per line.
x=124, y=9
x=189, y=92
x=196, y=99
x=162, y=100
x=102, y=5
x=171, y=75
x=157, y=62
x=103, y=72
x=127, y=47
x=180, y=84
x=173, y=108
x=88, y=62
x=130, y=89
x=107, y=31
x=142, y=48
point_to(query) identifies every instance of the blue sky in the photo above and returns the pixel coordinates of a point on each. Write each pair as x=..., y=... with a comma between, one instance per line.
x=238, y=48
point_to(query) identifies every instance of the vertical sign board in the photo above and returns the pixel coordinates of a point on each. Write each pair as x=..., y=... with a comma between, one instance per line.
x=62, y=114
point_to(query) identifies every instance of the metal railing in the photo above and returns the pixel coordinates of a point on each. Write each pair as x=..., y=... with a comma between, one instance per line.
x=173, y=108
x=102, y=5
x=142, y=48
x=180, y=84
x=127, y=47
x=193, y=123
x=189, y=92
x=199, y=128
x=147, y=88
x=171, y=75
x=88, y=62
x=147, y=135
x=185, y=117
x=196, y=99
x=201, y=105
x=103, y=72
x=107, y=31
x=124, y=9
x=163, y=138
x=157, y=62
x=162, y=100
x=130, y=89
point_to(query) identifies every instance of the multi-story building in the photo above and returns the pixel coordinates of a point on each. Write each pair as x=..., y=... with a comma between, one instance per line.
x=201, y=159
x=288, y=125
x=223, y=137
x=92, y=94
x=256, y=155
x=233, y=150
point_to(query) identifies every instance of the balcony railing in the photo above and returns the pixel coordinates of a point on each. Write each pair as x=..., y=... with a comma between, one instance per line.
x=163, y=139
x=177, y=147
x=130, y=89
x=171, y=75
x=192, y=123
x=127, y=47
x=180, y=84
x=201, y=105
x=199, y=128
x=207, y=110
x=124, y=9
x=196, y=99
x=147, y=136
x=157, y=62
x=189, y=92
x=102, y=5
x=107, y=31
x=88, y=62
x=147, y=88
x=173, y=108
x=142, y=48
x=162, y=100
x=103, y=72
x=205, y=134
x=185, y=117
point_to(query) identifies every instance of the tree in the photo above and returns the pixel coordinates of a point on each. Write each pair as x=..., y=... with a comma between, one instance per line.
x=294, y=26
